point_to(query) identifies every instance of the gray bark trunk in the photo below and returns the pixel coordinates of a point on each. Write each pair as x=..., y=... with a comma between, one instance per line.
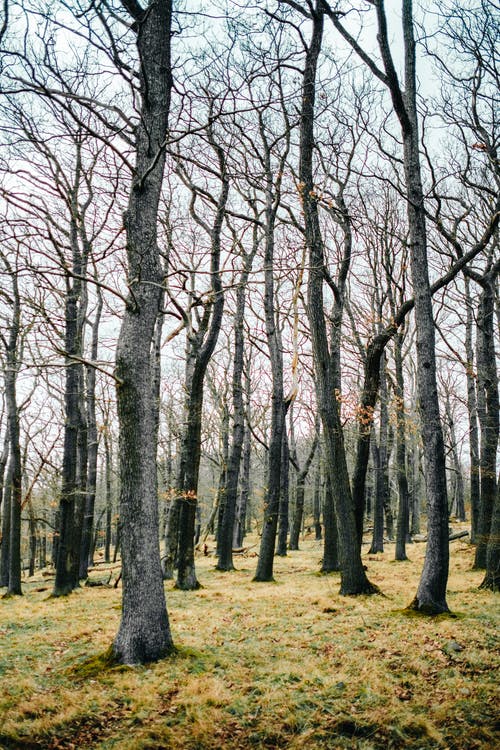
x=353, y=577
x=144, y=632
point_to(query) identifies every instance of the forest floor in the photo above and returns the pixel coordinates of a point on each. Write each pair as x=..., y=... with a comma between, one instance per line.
x=282, y=665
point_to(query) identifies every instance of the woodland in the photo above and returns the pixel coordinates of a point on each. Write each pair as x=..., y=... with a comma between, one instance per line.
x=249, y=418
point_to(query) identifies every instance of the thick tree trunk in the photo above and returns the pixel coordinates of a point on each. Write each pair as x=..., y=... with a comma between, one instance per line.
x=144, y=632
x=330, y=562
x=188, y=481
x=431, y=592
x=492, y=578
x=65, y=568
x=264, y=570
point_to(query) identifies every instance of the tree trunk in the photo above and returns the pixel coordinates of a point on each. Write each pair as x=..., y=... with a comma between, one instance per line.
x=283, y=521
x=93, y=446
x=144, y=632
x=475, y=494
x=377, y=544
x=5, y=552
x=15, y=467
x=201, y=347
x=492, y=577
x=227, y=532
x=330, y=562
x=300, y=492
x=353, y=577
x=403, y=522
x=457, y=505
x=317, y=503
x=241, y=524
x=488, y=410
x=431, y=592
x=265, y=563
x=380, y=460
x=222, y=488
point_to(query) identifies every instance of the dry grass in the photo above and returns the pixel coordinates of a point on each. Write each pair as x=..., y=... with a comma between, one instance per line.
x=284, y=665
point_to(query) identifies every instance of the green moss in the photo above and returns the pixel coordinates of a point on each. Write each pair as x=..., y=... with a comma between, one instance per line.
x=96, y=665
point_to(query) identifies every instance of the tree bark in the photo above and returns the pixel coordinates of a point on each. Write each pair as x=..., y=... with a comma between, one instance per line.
x=299, y=494
x=227, y=532
x=144, y=632
x=15, y=467
x=475, y=494
x=403, y=522
x=283, y=521
x=265, y=563
x=353, y=577
x=487, y=409
x=93, y=449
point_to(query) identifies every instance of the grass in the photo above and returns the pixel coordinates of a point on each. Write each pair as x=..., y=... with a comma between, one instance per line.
x=284, y=665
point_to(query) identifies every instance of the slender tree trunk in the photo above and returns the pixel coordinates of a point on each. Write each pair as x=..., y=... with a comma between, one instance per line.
x=202, y=345
x=299, y=494
x=15, y=468
x=283, y=521
x=228, y=531
x=93, y=449
x=377, y=544
x=81, y=478
x=74, y=467
x=108, y=495
x=33, y=539
x=403, y=522
x=4, y=457
x=353, y=577
x=458, y=501
x=265, y=563
x=317, y=503
x=488, y=412
x=5, y=552
x=223, y=474
x=241, y=525
x=380, y=460
x=472, y=414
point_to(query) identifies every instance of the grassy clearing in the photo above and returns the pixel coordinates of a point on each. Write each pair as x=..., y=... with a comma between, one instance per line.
x=284, y=665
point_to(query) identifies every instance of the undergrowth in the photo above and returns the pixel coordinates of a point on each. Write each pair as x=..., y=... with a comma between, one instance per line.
x=285, y=665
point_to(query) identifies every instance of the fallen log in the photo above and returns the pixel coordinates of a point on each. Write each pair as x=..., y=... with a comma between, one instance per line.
x=451, y=538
